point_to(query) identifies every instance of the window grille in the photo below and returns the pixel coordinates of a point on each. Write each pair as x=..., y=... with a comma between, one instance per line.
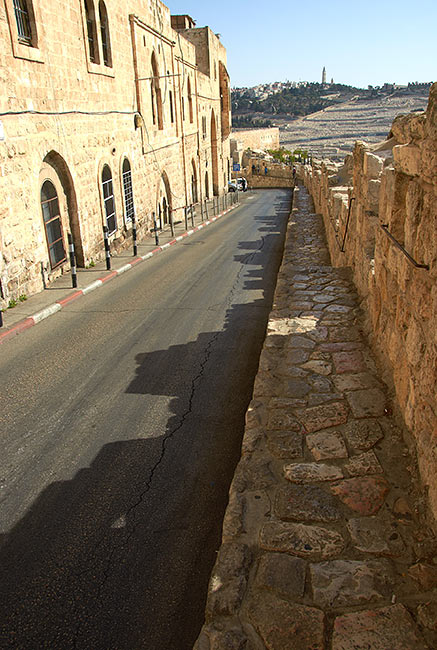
x=129, y=209
x=104, y=30
x=52, y=224
x=91, y=34
x=171, y=106
x=109, y=201
x=23, y=22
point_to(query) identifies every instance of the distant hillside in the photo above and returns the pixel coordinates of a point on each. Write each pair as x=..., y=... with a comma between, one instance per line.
x=260, y=105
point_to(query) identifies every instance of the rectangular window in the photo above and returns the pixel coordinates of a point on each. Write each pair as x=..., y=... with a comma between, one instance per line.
x=108, y=197
x=171, y=107
x=23, y=22
x=204, y=127
x=128, y=195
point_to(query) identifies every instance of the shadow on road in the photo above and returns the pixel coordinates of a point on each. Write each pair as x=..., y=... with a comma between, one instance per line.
x=119, y=556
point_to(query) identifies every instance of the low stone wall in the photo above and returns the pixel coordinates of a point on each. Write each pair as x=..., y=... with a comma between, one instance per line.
x=278, y=175
x=391, y=189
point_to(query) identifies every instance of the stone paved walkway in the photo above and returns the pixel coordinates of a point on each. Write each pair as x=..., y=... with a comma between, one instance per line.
x=324, y=542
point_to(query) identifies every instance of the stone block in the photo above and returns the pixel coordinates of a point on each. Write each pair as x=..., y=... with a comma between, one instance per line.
x=305, y=503
x=322, y=417
x=364, y=495
x=370, y=402
x=373, y=165
x=366, y=463
x=311, y=472
x=363, y=435
x=281, y=574
x=407, y=159
x=345, y=583
x=284, y=625
x=376, y=535
x=312, y=542
x=379, y=629
x=326, y=444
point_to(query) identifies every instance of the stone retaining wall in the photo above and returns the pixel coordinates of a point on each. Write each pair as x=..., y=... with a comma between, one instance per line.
x=393, y=185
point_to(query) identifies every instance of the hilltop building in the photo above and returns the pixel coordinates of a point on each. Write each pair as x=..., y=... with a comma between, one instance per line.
x=110, y=111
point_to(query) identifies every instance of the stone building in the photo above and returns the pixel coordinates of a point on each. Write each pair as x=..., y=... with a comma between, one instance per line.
x=109, y=109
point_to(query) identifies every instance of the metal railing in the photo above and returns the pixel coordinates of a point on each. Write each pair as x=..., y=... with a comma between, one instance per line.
x=398, y=245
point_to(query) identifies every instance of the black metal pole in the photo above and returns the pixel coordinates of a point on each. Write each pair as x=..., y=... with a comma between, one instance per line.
x=107, y=250
x=186, y=218
x=72, y=260
x=134, y=236
x=171, y=223
x=206, y=208
x=155, y=229
x=1, y=318
x=192, y=214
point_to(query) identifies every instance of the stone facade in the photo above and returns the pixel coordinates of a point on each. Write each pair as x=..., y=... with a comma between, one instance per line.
x=378, y=206
x=107, y=109
x=255, y=139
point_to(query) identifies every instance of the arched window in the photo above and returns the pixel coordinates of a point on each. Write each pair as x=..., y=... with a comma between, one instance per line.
x=190, y=101
x=194, y=182
x=52, y=224
x=104, y=30
x=23, y=19
x=156, y=95
x=108, y=199
x=129, y=209
x=91, y=32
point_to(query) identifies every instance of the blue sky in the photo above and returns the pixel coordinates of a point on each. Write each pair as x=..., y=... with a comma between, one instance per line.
x=360, y=42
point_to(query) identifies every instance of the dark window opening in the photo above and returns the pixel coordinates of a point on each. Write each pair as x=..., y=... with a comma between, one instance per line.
x=171, y=106
x=23, y=22
x=129, y=209
x=91, y=33
x=108, y=199
x=104, y=30
x=52, y=224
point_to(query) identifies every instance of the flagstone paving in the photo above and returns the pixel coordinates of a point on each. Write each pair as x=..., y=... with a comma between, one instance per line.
x=325, y=542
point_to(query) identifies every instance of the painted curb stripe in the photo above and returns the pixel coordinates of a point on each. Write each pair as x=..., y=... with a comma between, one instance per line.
x=45, y=313
x=65, y=301
x=92, y=286
x=17, y=329
x=109, y=277
x=123, y=269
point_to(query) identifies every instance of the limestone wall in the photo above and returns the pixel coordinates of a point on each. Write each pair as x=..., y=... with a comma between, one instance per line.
x=393, y=185
x=71, y=105
x=262, y=139
x=278, y=175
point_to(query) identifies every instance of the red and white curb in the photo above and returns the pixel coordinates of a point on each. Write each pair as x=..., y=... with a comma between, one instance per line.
x=23, y=325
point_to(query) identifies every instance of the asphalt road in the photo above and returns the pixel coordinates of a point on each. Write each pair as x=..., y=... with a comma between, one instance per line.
x=121, y=424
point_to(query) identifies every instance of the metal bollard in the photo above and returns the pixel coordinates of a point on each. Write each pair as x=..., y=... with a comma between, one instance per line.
x=192, y=215
x=206, y=208
x=134, y=236
x=107, y=251
x=1, y=318
x=171, y=223
x=155, y=229
x=186, y=218
x=72, y=260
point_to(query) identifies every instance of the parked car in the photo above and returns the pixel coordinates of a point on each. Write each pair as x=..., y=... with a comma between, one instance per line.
x=240, y=184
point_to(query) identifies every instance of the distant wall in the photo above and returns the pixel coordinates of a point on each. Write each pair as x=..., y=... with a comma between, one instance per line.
x=256, y=139
x=395, y=185
x=278, y=175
